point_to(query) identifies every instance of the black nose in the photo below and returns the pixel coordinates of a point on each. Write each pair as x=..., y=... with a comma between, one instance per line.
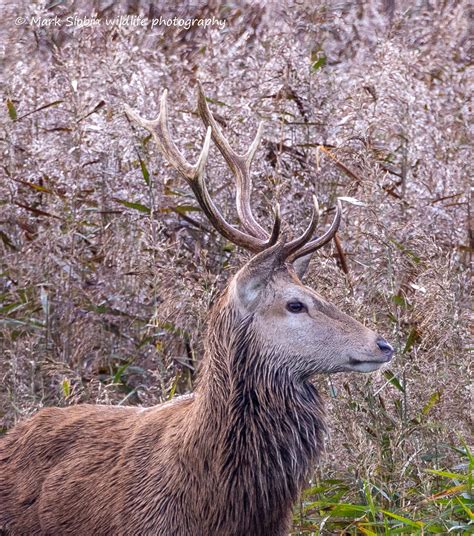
x=386, y=348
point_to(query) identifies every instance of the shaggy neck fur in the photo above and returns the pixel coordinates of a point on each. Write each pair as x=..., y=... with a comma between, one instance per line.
x=262, y=429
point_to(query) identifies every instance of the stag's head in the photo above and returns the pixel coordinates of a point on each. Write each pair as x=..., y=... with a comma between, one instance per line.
x=288, y=318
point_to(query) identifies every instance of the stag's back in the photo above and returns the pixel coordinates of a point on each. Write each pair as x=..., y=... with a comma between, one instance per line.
x=72, y=467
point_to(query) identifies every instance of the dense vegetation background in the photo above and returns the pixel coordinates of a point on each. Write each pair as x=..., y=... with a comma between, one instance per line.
x=107, y=268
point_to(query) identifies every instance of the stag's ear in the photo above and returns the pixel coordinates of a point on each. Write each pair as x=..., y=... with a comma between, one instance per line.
x=300, y=266
x=253, y=278
x=249, y=287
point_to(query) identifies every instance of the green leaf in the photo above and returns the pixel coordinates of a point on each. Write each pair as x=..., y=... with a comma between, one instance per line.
x=11, y=307
x=391, y=378
x=135, y=206
x=215, y=101
x=11, y=110
x=447, y=474
x=405, y=520
x=369, y=498
x=66, y=387
x=229, y=247
x=146, y=175
x=348, y=510
x=174, y=385
x=319, y=63
x=338, y=509
x=434, y=399
x=36, y=187
x=400, y=301
x=182, y=209
x=119, y=373
x=412, y=339
x=466, y=509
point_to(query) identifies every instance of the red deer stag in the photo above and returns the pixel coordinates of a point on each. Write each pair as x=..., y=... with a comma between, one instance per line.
x=231, y=459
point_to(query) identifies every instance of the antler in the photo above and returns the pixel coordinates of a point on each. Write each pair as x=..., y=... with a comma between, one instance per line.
x=239, y=164
x=255, y=239
x=194, y=175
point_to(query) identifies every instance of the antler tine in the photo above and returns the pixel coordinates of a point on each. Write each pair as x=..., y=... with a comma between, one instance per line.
x=275, y=234
x=238, y=164
x=317, y=243
x=159, y=129
x=297, y=243
x=194, y=175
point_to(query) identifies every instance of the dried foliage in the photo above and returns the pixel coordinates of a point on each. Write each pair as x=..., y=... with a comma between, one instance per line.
x=107, y=269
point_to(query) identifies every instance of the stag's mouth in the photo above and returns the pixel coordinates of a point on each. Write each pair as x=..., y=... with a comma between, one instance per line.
x=366, y=365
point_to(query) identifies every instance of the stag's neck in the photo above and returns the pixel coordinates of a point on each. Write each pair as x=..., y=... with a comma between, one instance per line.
x=261, y=431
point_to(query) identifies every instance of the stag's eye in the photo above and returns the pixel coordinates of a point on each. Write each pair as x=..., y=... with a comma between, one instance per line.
x=296, y=307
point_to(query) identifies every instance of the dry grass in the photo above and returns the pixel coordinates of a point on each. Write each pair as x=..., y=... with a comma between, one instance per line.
x=104, y=287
